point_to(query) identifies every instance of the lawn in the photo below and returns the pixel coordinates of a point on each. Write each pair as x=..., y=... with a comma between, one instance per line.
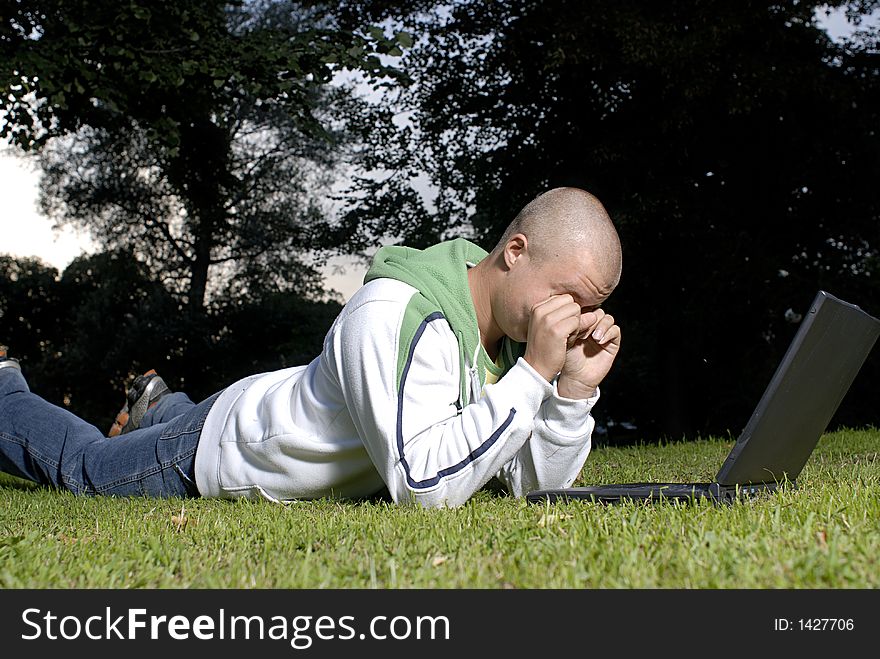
x=824, y=534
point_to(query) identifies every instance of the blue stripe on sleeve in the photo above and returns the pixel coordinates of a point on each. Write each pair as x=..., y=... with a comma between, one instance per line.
x=473, y=455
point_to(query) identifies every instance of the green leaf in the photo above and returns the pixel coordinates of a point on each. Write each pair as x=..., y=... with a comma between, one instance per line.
x=404, y=39
x=376, y=32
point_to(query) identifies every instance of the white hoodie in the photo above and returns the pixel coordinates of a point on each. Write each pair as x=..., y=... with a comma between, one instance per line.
x=350, y=424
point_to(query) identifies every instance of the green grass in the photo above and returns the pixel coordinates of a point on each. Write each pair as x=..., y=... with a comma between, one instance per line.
x=825, y=534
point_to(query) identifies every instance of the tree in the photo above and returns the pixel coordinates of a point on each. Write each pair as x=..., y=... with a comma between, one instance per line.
x=79, y=333
x=82, y=335
x=32, y=313
x=195, y=134
x=734, y=144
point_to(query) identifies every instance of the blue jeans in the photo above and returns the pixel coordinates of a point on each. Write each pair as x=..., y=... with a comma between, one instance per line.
x=47, y=444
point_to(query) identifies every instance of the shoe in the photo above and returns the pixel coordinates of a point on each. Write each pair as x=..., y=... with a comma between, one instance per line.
x=7, y=361
x=145, y=392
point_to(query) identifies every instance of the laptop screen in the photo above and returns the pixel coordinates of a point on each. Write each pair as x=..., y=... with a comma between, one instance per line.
x=825, y=355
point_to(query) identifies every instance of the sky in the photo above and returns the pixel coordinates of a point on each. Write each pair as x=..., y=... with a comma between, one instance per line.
x=24, y=231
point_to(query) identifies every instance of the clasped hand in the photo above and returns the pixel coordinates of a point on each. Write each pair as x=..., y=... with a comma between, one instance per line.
x=578, y=347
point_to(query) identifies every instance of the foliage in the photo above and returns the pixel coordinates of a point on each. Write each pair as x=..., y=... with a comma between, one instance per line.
x=734, y=144
x=196, y=134
x=32, y=309
x=83, y=335
x=102, y=64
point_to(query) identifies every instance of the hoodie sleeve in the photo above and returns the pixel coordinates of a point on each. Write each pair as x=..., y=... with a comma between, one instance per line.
x=427, y=450
x=555, y=454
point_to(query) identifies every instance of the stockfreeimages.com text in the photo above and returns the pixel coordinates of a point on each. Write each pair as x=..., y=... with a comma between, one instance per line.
x=300, y=631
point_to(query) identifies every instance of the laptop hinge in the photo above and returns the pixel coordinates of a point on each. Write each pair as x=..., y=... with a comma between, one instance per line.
x=729, y=493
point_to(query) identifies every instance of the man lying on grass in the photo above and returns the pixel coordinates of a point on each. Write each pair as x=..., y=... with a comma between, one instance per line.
x=449, y=367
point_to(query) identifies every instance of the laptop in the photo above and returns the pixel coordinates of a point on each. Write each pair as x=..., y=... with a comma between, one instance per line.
x=826, y=353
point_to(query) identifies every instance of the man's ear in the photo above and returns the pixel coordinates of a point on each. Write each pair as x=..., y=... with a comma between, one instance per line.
x=515, y=249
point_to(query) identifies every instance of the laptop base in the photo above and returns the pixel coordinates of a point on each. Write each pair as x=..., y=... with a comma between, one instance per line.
x=654, y=492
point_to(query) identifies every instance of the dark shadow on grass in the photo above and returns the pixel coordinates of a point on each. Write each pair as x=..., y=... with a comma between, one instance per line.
x=7, y=481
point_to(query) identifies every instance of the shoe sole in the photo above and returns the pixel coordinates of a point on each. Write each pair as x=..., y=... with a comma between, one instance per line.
x=6, y=361
x=129, y=417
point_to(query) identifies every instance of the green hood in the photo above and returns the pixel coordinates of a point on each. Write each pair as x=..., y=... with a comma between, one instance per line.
x=440, y=274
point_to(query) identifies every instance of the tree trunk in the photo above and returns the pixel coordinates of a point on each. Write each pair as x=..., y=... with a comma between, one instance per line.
x=203, y=167
x=198, y=283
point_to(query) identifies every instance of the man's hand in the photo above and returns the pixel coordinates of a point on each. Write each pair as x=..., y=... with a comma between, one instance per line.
x=551, y=324
x=590, y=354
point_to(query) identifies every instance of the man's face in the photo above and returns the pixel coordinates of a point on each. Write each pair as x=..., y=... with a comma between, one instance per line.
x=530, y=282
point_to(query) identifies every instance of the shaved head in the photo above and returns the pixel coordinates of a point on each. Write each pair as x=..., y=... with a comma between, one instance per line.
x=565, y=219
